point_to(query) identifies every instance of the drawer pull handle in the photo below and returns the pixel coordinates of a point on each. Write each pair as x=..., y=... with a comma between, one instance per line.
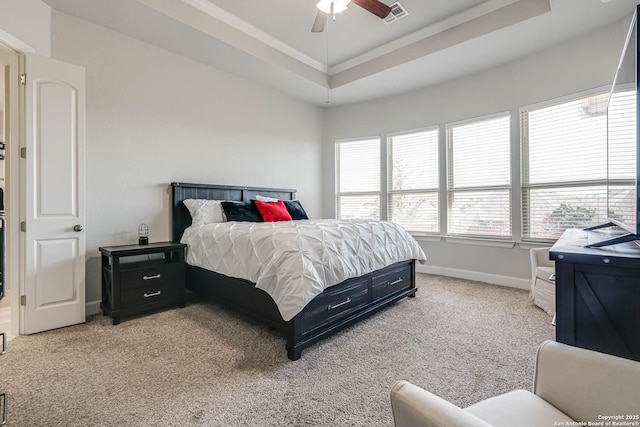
x=153, y=294
x=395, y=282
x=331, y=307
x=4, y=344
x=157, y=276
x=3, y=403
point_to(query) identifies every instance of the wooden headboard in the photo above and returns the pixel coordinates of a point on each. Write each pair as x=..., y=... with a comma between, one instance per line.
x=180, y=216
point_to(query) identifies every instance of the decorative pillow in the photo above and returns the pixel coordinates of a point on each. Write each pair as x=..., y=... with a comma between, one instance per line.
x=204, y=211
x=273, y=211
x=295, y=209
x=241, y=211
x=265, y=199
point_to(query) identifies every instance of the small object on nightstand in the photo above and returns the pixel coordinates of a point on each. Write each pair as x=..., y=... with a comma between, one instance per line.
x=141, y=278
x=143, y=234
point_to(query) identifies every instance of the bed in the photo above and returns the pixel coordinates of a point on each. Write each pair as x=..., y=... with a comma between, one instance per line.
x=335, y=308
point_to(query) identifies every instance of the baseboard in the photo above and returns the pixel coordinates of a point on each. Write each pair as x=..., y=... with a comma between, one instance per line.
x=494, y=279
x=92, y=308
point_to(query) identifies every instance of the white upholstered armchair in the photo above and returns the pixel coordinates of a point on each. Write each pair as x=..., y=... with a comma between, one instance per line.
x=543, y=286
x=570, y=384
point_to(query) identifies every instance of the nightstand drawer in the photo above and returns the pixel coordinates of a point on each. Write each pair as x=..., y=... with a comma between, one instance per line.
x=391, y=282
x=151, y=276
x=157, y=293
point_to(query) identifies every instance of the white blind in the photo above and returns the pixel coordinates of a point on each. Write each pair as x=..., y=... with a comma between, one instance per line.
x=358, y=179
x=567, y=142
x=621, y=148
x=479, y=177
x=564, y=166
x=414, y=181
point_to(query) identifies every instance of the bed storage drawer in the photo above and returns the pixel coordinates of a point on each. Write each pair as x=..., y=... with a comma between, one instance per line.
x=335, y=303
x=391, y=282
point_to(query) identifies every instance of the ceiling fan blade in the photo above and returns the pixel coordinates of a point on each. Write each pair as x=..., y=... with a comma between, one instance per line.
x=379, y=9
x=320, y=22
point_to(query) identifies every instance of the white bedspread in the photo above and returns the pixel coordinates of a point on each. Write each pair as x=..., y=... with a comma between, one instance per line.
x=293, y=261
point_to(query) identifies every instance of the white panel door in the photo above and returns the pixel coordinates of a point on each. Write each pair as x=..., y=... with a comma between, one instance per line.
x=54, y=240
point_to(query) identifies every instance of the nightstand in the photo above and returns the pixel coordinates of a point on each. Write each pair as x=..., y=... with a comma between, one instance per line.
x=139, y=278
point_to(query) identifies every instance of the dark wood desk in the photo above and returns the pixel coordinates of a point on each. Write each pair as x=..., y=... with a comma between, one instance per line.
x=597, y=293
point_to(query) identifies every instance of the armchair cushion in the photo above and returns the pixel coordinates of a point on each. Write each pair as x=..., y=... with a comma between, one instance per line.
x=519, y=407
x=545, y=273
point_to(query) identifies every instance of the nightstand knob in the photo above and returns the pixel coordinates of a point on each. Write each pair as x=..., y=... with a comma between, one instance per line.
x=77, y=227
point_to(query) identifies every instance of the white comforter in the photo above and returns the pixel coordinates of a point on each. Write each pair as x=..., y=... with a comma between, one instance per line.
x=293, y=261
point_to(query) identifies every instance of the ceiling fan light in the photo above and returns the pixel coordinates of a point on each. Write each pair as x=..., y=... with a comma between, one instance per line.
x=338, y=5
x=324, y=5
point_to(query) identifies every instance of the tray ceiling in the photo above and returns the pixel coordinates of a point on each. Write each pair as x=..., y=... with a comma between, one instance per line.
x=358, y=57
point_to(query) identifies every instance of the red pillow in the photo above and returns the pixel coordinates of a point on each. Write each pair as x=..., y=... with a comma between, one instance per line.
x=273, y=211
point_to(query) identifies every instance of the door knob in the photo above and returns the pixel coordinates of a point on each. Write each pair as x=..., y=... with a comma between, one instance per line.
x=77, y=227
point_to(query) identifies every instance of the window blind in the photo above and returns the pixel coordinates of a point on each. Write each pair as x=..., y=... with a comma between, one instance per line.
x=565, y=163
x=413, y=167
x=358, y=179
x=622, y=157
x=479, y=177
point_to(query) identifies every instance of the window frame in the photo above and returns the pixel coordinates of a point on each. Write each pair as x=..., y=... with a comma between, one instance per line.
x=525, y=185
x=339, y=194
x=450, y=190
x=389, y=187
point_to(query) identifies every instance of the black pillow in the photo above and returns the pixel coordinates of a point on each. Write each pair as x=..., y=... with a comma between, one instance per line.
x=295, y=209
x=241, y=211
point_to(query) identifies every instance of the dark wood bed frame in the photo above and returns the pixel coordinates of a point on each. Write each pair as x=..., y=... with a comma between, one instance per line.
x=337, y=307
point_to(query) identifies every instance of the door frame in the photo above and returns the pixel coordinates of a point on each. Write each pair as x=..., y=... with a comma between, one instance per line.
x=14, y=254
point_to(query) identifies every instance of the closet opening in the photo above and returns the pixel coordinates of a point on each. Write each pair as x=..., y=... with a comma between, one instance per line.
x=7, y=316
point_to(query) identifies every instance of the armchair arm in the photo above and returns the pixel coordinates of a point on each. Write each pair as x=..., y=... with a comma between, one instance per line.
x=584, y=384
x=540, y=257
x=413, y=406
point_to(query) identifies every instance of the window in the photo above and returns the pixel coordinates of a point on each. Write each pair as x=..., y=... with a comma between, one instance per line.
x=621, y=147
x=564, y=164
x=413, y=181
x=358, y=186
x=479, y=177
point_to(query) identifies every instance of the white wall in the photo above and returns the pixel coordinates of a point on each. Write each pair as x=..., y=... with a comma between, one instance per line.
x=29, y=23
x=154, y=117
x=572, y=67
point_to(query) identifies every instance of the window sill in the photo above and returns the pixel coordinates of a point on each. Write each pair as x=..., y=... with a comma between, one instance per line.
x=507, y=244
x=530, y=244
x=426, y=237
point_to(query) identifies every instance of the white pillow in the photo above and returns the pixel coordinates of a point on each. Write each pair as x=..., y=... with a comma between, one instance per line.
x=205, y=211
x=265, y=199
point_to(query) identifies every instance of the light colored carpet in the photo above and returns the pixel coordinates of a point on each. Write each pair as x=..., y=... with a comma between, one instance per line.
x=205, y=365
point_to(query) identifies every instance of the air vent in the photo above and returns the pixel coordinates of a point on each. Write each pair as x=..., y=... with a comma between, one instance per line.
x=397, y=11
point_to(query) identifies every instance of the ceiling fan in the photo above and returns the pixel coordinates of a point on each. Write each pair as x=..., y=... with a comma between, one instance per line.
x=331, y=7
